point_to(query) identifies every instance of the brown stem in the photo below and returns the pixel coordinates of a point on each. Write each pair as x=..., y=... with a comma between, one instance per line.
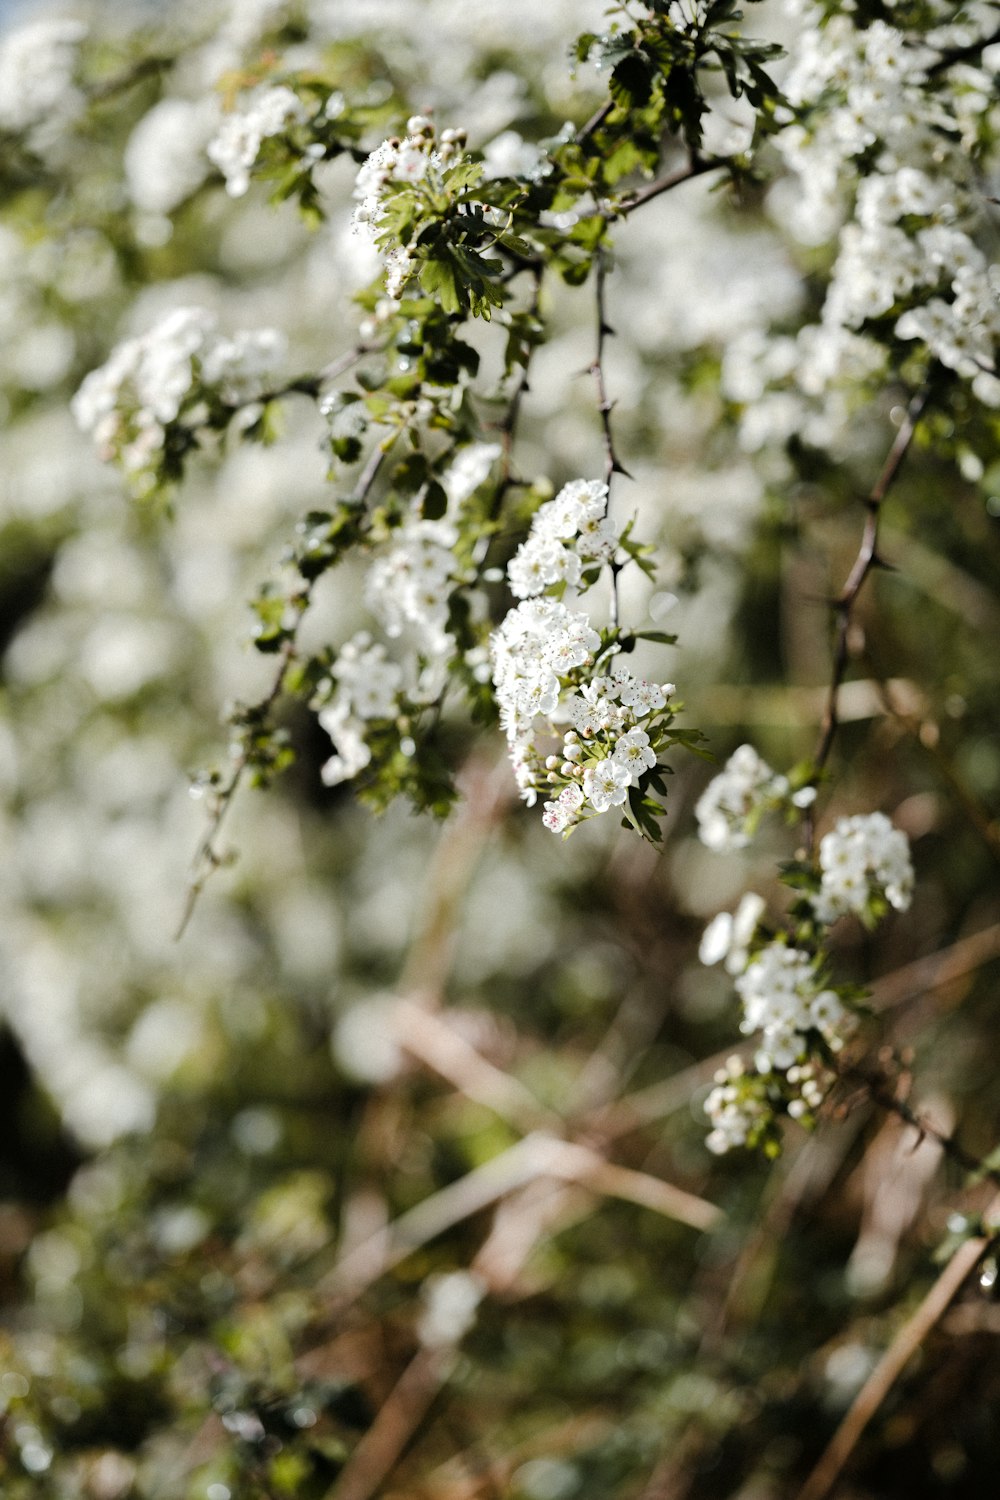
x=955, y=55
x=612, y=465
x=595, y=122
x=885, y=1374
x=866, y=560
x=878, y=1090
x=696, y=167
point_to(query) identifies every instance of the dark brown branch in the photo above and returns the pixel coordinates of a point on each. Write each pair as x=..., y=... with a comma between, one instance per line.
x=867, y=559
x=612, y=465
x=879, y=1090
x=595, y=122
x=696, y=167
x=955, y=55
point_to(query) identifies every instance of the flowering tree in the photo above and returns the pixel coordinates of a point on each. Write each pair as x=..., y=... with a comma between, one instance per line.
x=471, y=367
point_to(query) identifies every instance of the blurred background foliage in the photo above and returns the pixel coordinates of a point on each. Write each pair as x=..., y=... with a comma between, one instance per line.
x=204, y=1141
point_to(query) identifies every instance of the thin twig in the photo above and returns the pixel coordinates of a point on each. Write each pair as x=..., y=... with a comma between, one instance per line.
x=429, y=1038
x=401, y=1414
x=538, y=1155
x=924, y=731
x=867, y=559
x=595, y=122
x=612, y=464
x=876, y=1087
x=696, y=167
x=207, y=857
x=925, y=975
x=955, y=55
x=308, y=385
x=885, y=1374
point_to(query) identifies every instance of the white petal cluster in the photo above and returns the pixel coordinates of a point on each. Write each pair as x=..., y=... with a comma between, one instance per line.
x=236, y=146
x=420, y=156
x=741, y=1110
x=37, y=63
x=535, y=648
x=365, y=686
x=908, y=251
x=727, y=937
x=861, y=857
x=411, y=584
x=126, y=404
x=738, y=1107
x=165, y=154
x=566, y=534
x=468, y=470
x=407, y=161
x=608, y=750
x=730, y=806
x=783, y=998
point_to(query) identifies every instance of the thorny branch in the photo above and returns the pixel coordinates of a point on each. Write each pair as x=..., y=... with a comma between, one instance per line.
x=877, y=1088
x=208, y=857
x=612, y=464
x=866, y=561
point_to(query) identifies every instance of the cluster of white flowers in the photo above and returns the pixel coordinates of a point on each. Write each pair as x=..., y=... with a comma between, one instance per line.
x=126, y=404
x=419, y=156
x=37, y=64
x=732, y=804
x=566, y=535
x=786, y=998
x=862, y=857
x=235, y=147
x=411, y=584
x=742, y=1111
x=542, y=654
x=165, y=155
x=365, y=686
x=510, y=155
x=534, y=651
x=869, y=95
x=783, y=998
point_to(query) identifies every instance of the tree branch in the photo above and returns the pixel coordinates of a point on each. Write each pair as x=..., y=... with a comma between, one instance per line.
x=866, y=560
x=889, y=1368
x=612, y=464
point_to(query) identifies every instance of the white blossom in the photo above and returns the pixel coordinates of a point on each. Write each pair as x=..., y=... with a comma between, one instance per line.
x=165, y=154
x=235, y=147
x=861, y=857
x=410, y=585
x=730, y=805
x=126, y=404
x=37, y=64
x=606, y=784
